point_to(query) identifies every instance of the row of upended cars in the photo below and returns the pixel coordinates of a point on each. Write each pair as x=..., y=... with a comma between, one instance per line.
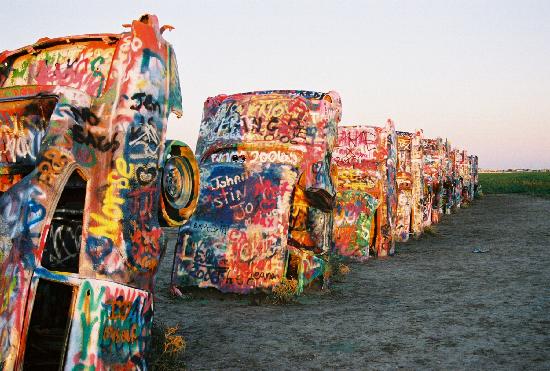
x=274, y=191
x=284, y=188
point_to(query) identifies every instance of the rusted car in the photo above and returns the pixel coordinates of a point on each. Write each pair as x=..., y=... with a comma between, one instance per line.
x=366, y=202
x=265, y=208
x=82, y=151
x=410, y=185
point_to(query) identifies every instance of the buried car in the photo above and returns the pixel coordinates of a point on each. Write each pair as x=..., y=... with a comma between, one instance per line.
x=366, y=203
x=455, y=179
x=265, y=206
x=434, y=156
x=82, y=128
x=410, y=185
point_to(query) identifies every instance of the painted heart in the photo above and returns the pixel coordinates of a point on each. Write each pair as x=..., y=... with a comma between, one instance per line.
x=146, y=174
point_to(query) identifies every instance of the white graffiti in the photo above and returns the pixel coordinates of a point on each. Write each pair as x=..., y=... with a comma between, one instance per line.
x=14, y=147
x=252, y=157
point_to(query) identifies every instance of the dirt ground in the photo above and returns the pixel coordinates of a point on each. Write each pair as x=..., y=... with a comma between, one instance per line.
x=435, y=305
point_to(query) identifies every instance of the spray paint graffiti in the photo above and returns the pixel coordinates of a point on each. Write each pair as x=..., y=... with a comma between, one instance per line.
x=433, y=179
x=82, y=152
x=404, y=186
x=434, y=156
x=266, y=191
x=82, y=175
x=410, y=185
x=456, y=179
x=475, y=176
x=448, y=179
x=353, y=216
x=465, y=175
x=116, y=318
x=365, y=159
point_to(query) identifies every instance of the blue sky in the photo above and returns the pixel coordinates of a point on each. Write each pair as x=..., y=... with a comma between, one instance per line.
x=477, y=72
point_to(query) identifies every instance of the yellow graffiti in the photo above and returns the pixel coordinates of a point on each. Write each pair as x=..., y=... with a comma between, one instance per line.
x=267, y=108
x=52, y=166
x=109, y=220
x=18, y=129
x=121, y=335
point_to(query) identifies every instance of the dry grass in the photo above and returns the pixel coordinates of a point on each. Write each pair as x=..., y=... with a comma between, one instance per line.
x=343, y=269
x=167, y=348
x=285, y=292
x=431, y=230
x=173, y=344
x=337, y=269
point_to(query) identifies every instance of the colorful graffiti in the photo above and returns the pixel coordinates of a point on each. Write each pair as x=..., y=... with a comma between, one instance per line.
x=366, y=205
x=434, y=155
x=353, y=221
x=404, y=186
x=266, y=191
x=474, y=170
x=410, y=185
x=448, y=180
x=82, y=151
x=465, y=175
x=417, y=169
x=87, y=180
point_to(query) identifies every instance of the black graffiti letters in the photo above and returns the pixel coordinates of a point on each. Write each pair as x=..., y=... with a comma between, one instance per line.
x=99, y=142
x=145, y=100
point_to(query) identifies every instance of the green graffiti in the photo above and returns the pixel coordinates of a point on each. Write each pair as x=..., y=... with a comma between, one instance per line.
x=88, y=305
x=147, y=56
x=83, y=368
x=84, y=154
x=20, y=72
x=49, y=59
x=8, y=294
x=97, y=73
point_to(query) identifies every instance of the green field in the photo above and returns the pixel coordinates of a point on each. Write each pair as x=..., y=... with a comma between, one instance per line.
x=533, y=183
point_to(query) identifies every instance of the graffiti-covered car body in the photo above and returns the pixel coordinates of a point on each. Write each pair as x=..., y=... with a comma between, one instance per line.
x=455, y=178
x=264, y=211
x=410, y=185
x=83, y=121
x=366, y=202
x=465, y=175
x=475, y=176
x=448, y=179
x=434, y=156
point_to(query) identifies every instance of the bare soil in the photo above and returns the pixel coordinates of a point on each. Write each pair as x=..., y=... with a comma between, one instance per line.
x=435, y=305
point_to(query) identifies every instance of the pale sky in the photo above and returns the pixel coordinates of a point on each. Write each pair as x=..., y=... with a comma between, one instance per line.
x=477, y=72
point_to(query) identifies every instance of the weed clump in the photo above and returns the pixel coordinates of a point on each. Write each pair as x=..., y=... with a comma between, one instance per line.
x=285, y=292
x=431, y=230
x=173, y=344
x=337, y=269
x=343, y=269
x=167, y=348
